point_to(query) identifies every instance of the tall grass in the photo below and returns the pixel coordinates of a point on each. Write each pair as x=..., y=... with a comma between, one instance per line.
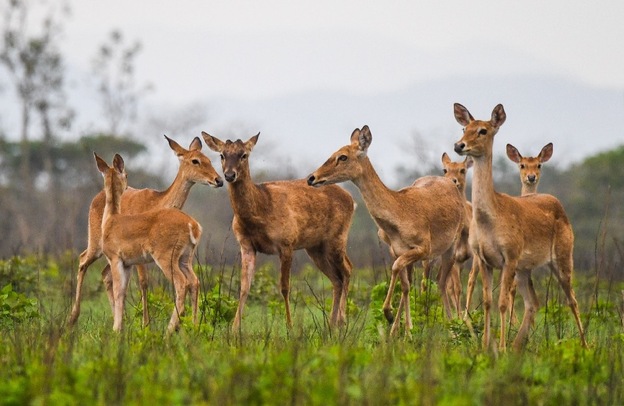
x=44, y=362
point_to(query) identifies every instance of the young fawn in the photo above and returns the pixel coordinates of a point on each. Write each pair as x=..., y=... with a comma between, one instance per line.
x=166, y=236
x=195, y=167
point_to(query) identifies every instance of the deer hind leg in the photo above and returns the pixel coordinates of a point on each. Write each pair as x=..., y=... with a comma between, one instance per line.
x=87, y=257
x=563, y=273
x=472, y=278
x=120, y=276
x=285, y=265
x=169, y=264
x=446, y=268
x=513, y=319
x=186, y=265
x=336, y=267
x=531, y=305
x=143, y=282
x=454, y=288
x=107, y=280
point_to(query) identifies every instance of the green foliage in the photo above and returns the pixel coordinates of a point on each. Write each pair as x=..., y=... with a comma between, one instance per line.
x=216, y=307
x=16, y=307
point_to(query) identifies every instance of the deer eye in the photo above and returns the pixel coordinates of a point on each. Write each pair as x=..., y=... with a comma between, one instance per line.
x=444, y=171
x=222, y=157
x=482, y=131
x=539, y=166
x=195, y=161
x=244, y=156
x=521, y=166
x=342, y=158
x=462, y=171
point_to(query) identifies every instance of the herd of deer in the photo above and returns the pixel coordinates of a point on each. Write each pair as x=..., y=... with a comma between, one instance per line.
x=429, y=220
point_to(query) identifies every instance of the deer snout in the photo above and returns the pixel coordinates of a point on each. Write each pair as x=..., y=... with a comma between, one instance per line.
x=459, y=147
x=230, y=176
x=311, y=180
x=218, y=181
x=531, y=178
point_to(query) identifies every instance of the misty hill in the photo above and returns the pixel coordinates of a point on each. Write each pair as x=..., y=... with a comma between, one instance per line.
x=303, y=128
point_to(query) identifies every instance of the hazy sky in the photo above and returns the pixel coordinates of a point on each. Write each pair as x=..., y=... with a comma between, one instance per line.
x=255, y=49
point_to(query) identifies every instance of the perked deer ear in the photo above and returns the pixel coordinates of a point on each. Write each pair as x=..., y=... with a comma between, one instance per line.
x=513, y=154
x=118, y=163
x=251, y=143
x=546, y=152
x=101, y=164
x=362, y=138
x=445, y=159
x=213, y=143
x=498, y=116
x=462, y=115
x=196, y=144
x=175, y=146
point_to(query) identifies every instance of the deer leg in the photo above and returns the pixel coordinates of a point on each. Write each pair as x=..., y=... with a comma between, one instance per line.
x=120, y=277
x=285, y=264
x=426, y=275
x=446, y=266
x=143, y=279
x=486, y=281
x=107, y=280
x=563, y=272
x=454, y=288
x=87, y=257
x=472, y=278
x=192, y=282
x=513, y=319
x=531, y=305
x=248, y=258
x=507, y=277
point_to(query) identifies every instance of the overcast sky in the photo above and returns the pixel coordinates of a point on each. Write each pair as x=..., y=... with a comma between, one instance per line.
x=257, y=49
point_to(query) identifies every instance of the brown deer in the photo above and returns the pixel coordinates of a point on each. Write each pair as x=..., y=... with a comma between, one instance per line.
x=530, y=167
x=515, y=234
x=195, y=167
x=280, y=217
x=530, y=175
x=420, y=222
x=166, y=236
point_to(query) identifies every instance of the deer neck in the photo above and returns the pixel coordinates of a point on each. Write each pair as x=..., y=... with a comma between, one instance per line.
x=376, y=195
x=177, y=193
x=247, y=198
x=528, y=189
x=483, y=193
x=113, y=201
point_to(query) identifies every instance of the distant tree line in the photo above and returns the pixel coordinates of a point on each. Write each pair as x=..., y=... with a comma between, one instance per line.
x=46, y=184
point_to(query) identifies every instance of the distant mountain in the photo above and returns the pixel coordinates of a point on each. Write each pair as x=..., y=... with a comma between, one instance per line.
x=304, y=128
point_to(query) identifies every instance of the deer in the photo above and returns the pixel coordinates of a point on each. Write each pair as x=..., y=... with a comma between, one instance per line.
x=166, y=236
x=195, y=167
x=279, y=217
x=530, y=175
x=419, y=222
x=513, y=233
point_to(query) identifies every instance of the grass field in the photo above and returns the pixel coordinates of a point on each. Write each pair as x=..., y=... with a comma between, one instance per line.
x=45, y=362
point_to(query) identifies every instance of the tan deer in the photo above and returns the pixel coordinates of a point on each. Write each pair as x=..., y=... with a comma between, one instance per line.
x=195, y=167
x=530, y=167
x=530, y=175
x=420, y=222
x=165, y=236
x=280, y=217
x=515, y=234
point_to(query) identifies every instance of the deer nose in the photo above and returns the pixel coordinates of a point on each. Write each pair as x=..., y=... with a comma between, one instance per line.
x=531, y=178
x=459, y=147
x=230, y=176
x=219, y=181
x=311, y=180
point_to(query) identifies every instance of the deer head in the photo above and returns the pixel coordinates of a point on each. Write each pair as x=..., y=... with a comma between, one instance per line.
x=530, y=167
x=478, y=135
x=234, y=155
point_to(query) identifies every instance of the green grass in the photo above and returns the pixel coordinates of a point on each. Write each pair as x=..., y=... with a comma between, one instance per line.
x=45, y=362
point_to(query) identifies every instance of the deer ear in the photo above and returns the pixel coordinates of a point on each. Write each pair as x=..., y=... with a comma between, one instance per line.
x=362, y=138
x=513, y=154
x=462, y=115
x=445, y=159
x=213, y=143
x=546, y=152
x=196, y=144
x=498, y=116
x=118, y=163
x=175, y=146
x=101, y=164
x=251, y=143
